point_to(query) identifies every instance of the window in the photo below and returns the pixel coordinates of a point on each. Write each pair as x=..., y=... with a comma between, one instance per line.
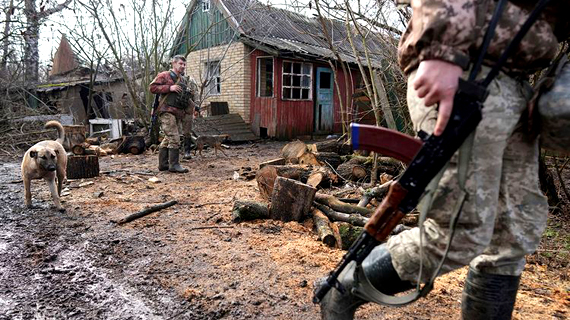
x=297, y=80
x=205, y=5
x=265, y=77
x=212, y=76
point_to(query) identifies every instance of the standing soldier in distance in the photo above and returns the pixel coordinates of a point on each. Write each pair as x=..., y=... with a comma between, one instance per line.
x=176, y=101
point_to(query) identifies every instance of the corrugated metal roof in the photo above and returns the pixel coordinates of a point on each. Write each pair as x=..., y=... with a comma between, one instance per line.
x=290, y=31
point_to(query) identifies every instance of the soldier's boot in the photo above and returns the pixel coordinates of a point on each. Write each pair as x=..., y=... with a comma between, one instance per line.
x=187, y=148
x=379, y=271
x=173, y=161
x=488, y=296
x=163, y=159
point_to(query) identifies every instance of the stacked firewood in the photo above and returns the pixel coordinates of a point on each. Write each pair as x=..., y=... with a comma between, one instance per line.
x=308, y=182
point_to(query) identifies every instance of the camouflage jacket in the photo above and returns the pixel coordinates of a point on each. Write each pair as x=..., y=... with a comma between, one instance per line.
x=452, y=30
x=161, y=85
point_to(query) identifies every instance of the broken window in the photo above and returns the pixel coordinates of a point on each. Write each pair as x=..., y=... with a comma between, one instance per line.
x=297, y=80
x=264, y=77
x=212, y=76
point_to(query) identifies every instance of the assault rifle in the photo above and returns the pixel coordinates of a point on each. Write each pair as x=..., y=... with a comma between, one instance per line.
x=426, y=157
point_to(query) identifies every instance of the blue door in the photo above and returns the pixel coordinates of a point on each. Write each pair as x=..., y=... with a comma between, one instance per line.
x=324, y=104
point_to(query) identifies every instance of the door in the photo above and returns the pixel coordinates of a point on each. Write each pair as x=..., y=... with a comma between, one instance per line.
x=324, y=103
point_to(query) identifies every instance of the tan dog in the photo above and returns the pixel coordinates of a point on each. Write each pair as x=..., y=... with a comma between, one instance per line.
x=213, y=141
x=46, y=160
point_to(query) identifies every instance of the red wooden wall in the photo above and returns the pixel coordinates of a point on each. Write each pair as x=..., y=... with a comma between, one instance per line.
x=287, y=119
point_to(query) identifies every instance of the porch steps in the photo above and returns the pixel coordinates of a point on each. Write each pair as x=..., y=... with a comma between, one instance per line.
x=232, y=124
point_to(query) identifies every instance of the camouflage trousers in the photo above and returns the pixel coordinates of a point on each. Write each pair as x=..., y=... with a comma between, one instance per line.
x=505, y=212
x=173, y=128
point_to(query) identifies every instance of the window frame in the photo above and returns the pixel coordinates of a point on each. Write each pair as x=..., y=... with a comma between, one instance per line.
x=217, y=82
x=258, y=77
x=300, y=86
x=205, y=5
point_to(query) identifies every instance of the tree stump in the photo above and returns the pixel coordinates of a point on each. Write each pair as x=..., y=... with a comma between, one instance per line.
x=245, y=210
x=291, y=200
x=266, y=176
x=79, y=167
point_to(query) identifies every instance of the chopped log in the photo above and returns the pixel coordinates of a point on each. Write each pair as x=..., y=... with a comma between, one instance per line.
x=291, y=200
x=79, y=167
x=330, y=145
x=266, y=176
x=359, y=172
x=338, y=205
x=348, y=233
x=146, y=211
x=293, y=150
x=326, y=234
x=308, y=158
x=245, y=210
x=331, y=158
x=79, y=149
x=354, y=218
x=322, y=176
x=274, y=162
x=74, y=135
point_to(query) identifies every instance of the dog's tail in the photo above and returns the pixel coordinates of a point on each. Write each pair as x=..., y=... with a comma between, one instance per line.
x=60, y=130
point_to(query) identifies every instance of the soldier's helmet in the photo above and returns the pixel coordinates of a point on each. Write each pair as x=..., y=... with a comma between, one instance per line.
x=554, y=112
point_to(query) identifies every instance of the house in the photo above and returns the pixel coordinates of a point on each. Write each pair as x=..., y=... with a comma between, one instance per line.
x=70, y=86
x=272, y=66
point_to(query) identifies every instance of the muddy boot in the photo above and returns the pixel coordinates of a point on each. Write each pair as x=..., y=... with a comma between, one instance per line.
x=173, y=164
x=187, y=149
x=163, y=159
x=488, y=296
x=377, y=267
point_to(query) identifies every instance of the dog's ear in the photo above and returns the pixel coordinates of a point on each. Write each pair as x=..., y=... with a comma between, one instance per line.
x=33, y=154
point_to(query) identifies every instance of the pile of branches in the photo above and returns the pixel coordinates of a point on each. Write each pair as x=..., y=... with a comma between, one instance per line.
x=326, y=183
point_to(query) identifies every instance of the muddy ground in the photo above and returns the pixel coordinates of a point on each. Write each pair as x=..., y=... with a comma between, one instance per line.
x=190, y=261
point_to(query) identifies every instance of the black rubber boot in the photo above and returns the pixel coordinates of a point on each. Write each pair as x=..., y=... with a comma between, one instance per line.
x=380, y=272
x=187, y=148
x=488, y=296
x=163, y=159
x=173, y=161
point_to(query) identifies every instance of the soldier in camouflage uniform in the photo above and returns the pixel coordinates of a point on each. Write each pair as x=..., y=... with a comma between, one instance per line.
x=505, y=212
x=177, y=105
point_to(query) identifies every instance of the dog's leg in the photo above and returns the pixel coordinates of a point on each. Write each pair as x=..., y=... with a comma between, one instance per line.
x=27, y=192
x=60, y=178
x=222, y=151
x=54, y=194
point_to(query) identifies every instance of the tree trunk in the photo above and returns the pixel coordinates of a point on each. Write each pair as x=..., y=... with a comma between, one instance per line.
x=245, y=210
x=291, y=200
x=325, y=232
x=7, y=39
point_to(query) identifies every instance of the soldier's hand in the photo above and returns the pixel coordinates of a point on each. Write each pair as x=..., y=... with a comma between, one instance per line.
x=175, y=88
x=436, y=81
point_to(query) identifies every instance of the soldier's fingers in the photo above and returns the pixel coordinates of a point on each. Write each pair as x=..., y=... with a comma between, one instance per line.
x=444, y=112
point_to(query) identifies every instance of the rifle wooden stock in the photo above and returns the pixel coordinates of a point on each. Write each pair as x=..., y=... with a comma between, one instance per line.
x=387, y=215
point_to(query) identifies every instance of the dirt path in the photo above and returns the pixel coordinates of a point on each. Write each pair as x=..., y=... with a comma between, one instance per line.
x=188, y=261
